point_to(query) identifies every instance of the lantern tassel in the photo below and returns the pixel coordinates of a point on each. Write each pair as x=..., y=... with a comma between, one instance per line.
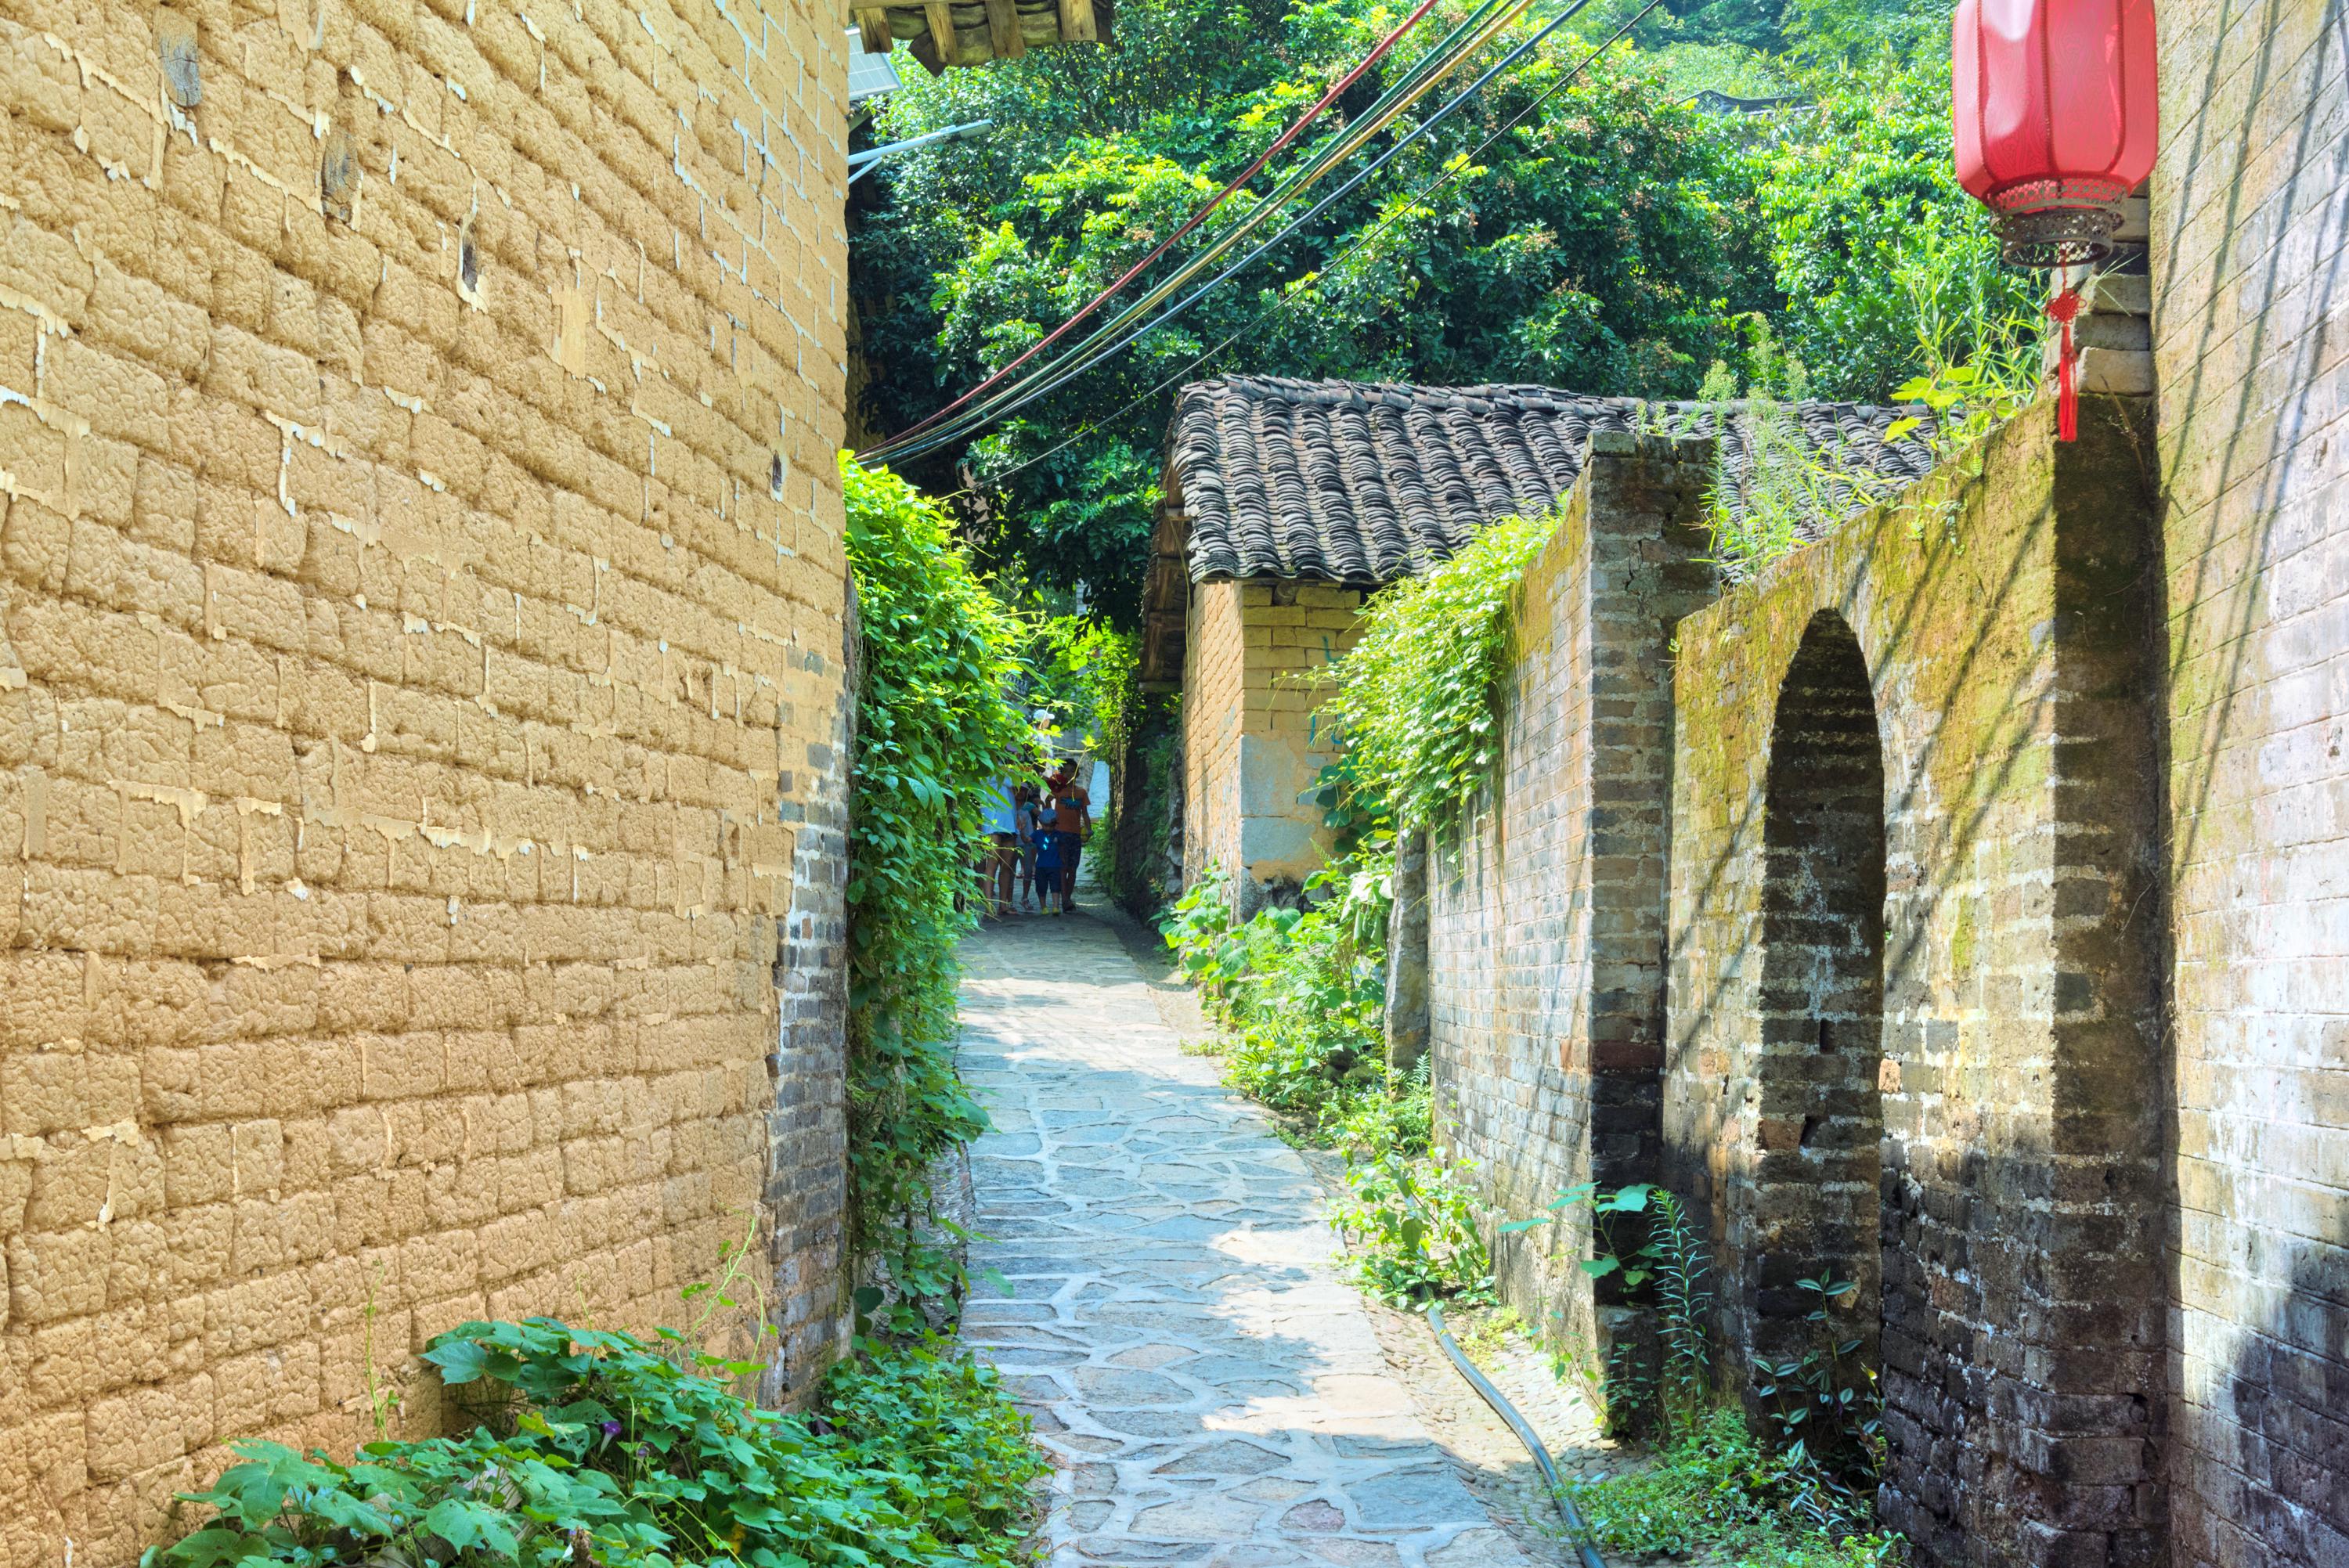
x=2062, y=310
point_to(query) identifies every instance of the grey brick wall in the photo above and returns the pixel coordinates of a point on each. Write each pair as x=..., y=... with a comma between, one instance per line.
x=2004, y=625
x=1546, y=919
x=2250, y=217
x=1670, y=824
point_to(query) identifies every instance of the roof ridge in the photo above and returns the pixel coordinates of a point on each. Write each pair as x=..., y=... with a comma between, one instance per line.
x=1366, y=480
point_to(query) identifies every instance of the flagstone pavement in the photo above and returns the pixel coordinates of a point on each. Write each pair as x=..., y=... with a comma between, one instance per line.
x=1167, y=1301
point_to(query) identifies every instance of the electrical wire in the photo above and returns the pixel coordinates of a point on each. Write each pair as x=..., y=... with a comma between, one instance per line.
x=1086, y=355
x=1490, y=19
x=1452, y=171
x=1196, y=219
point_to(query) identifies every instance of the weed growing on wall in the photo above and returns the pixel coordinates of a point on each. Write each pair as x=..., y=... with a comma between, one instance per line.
x=936, y=730
x=597, y=1446
x=1977, y=359
x=1801, y=1499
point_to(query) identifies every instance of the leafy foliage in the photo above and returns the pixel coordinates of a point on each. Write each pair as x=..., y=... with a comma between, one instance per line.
x=1719, y=1490
x=632, y=1457
x=1412, y=1222
x=1824, y=1401
x=936, y=731
x=1299, y=993
x=1608, y=244
x=1300, y=996
x=1805, y=1497
x=1417, y=698
x=1599, y=245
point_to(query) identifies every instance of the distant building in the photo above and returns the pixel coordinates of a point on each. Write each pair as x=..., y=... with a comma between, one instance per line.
x=1287, y=502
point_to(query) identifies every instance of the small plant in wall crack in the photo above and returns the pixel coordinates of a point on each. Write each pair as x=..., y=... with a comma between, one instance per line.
x=1826, y=1406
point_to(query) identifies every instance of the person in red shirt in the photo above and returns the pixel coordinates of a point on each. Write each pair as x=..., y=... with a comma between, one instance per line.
x=1068, y=811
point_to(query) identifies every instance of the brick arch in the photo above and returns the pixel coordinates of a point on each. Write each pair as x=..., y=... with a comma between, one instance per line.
x=1819, y=1129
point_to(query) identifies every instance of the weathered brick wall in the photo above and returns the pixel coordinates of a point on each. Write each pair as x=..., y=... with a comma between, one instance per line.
x=1896, y=1010
x=1215, y=662
x=420, y=704
x=1253, y=744
x=2247, y=269
x=2001, y=629
x=1546, y=923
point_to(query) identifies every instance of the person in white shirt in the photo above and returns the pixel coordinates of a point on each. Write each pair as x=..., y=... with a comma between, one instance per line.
x=999, y=861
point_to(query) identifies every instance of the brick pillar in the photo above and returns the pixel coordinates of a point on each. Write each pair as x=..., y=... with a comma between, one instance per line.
x=1646, y=533
x=2091, y=1395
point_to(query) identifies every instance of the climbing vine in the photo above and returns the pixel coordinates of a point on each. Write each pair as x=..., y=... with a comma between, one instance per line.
x=936, y=729
x=1418, y=698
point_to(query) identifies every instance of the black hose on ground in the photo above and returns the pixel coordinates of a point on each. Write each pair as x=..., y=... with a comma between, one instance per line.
x=1575, y=1531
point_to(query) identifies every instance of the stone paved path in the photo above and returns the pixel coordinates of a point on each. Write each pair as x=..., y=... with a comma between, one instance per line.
x=1175, y=1318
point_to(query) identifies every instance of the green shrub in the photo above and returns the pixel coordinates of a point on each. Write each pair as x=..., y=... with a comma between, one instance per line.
x=939, y=1425
x=1412, y=1223
x=615, y=1454
x=1300, y=994
x=1721, y=1491
x=936, y=731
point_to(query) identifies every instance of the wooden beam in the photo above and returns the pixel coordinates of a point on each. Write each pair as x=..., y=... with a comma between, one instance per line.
x=942, y=29
x=1003, y=29
x=1077, y=22
x=872, y=24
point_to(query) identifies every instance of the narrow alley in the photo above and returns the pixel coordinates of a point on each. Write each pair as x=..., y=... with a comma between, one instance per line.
x=1212, y=1386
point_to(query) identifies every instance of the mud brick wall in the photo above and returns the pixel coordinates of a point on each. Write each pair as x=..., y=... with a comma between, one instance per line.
x=421, y=705
x=2002, y=628
x=1253, y=744
x=1546, y=920
x=2250, y=274
x=1215, y=662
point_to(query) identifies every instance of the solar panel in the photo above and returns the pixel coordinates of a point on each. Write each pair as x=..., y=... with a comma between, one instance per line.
x=869, y=76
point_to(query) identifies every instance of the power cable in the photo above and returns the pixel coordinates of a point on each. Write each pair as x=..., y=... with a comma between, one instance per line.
x=1196, y=219
x=1454, y=167
x=1470, y=34
x=1084, y=355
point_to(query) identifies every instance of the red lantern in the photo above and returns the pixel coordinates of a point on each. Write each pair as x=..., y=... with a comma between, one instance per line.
x=2056, y=123
x=2056, y=120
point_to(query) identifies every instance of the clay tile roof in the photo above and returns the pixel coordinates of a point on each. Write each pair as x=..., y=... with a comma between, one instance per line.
x=1365, y=482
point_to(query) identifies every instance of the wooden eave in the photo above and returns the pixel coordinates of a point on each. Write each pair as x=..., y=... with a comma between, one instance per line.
x=943, y=34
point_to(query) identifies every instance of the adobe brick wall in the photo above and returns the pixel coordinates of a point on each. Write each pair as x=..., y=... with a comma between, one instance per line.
x=422, y=714
x=2247, y=269
x=1215, y=662
x=1546, y=921
x=1252, y=742
x=2002, y=627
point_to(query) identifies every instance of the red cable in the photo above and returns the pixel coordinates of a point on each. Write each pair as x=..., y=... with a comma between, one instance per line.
x=1250, y=173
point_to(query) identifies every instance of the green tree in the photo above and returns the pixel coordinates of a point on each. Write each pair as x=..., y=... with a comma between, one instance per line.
x=1609, y=243
x=936, y=732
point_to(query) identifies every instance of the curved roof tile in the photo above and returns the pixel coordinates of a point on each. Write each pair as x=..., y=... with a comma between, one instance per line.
x=1365, y=482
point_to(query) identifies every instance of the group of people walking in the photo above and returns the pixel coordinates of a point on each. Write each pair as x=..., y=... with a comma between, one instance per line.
x=1037, y=834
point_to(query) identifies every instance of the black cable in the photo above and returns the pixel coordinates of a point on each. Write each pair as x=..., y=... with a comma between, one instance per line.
x=1083, y=355
x=1577, y=1532
x=1281, y=303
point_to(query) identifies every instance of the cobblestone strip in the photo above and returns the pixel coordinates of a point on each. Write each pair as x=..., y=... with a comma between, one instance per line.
x=1169, y=1305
